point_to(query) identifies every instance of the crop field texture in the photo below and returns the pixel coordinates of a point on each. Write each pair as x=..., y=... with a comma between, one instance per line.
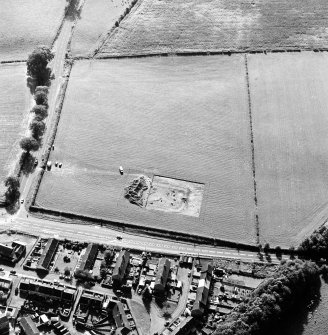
x=15, y=100
x=167, y=26
x=289, y=94
x=26, y=24
x=175, y=117
x=98, y=16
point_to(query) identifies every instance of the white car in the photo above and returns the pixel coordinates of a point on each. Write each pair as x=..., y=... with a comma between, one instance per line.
x=120, y=169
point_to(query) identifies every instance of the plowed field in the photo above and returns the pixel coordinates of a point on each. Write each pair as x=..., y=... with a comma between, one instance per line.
x=15, y=100
x=97, y=17
x=181, y=117
x=289, y=94
x=26, y=24
x=190, y=25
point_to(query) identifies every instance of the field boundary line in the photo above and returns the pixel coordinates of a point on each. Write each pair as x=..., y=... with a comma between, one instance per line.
x=205, y=53
x=257, y=223
x=13, y=61
x=103, y=38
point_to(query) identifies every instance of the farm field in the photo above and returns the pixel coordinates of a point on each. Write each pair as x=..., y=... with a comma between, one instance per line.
x=27, y=24
x=15, y=100
x=189, y=25
x=289, y=94
x=97, y=17
x=184, y=118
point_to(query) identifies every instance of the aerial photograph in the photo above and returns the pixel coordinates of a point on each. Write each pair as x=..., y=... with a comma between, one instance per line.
x=163, y=167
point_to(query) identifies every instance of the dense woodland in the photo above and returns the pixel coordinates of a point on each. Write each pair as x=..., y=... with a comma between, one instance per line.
x=316, y=245
x=296, y=282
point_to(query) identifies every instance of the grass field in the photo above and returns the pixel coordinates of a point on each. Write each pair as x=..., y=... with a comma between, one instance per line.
x=27, y=24
x=98, y=16
x=190, y=25
x=289, y=94
x=15, y=100
x=183, y=118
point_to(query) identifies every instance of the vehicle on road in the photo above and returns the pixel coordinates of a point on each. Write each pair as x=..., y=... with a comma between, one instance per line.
x=119, y=237
x=36, y=162
x=22, y=201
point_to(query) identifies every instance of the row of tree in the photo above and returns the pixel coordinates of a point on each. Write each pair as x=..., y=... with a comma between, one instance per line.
x=38, y=71
x=316, y=245
x=293, y=284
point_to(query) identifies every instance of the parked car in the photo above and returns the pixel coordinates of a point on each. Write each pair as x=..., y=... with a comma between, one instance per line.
x=119, y=237
x=13, y=272
x=22, y=201
x=36, y=162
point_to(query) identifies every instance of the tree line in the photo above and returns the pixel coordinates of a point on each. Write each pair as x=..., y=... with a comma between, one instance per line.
x=294, y=283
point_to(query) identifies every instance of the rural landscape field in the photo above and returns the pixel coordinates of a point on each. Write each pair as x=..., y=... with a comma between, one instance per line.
x=97, y=18
x=15, y=100
x=182, y=118
x=27, y=24
x=189, y=25
x=289, y=95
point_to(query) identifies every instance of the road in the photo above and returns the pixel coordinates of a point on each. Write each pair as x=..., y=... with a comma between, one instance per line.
x=57, y=67
x=99, y=234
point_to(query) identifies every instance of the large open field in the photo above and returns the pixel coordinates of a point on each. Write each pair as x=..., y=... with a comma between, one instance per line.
x=15, y=100
x=190, y=25
x=289, y=94
x=183, y=118
x=97, y=18
x=26, y=24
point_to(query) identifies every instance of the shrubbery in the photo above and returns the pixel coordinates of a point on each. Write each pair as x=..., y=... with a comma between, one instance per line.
x=293, y=283
x=316, y=245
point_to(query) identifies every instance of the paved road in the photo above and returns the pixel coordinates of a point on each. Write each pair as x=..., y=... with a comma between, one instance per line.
x=95, y=233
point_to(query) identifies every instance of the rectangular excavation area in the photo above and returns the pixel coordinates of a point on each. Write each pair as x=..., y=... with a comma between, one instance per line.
x=175, y=196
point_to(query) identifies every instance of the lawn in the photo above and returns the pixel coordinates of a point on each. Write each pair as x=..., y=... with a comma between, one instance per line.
x=26, y=24
x=15, y=100
x=190, y=25
x=178, y=117
x=97, y=18
x=289, y=94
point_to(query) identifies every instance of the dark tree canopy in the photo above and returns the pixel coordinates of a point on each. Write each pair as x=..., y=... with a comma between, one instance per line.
x=41, y=111
x=29, y=144
x=316, y=245
x=37, y=62
x=41, y=98
x=12, y=193
x=37, y=128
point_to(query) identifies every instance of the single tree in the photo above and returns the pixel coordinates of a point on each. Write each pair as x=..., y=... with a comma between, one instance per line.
x=41, y=98
x=12, y=193
x=266, y=247
x=40, y=112
x=37, y=63
x=37, y=128
x=103, y=273
x=108, y=255
x=29, y=144
x=67, y=272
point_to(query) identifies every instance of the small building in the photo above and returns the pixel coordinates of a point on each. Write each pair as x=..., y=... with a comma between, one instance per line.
x=121, y=265
x=28, y=327
x=162, y=275
x=12, y=253
x=48, y=255
x=88, y=259
x=4, y=325
x=202, y=291
x=185, y=327
x=121, y=320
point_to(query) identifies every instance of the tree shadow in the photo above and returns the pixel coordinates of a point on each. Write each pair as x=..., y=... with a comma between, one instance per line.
x=26, y=162
x=72, y=10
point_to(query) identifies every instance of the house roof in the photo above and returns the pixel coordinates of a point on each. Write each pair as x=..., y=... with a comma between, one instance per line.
x=29, y=326
x=89, y=257
x=48, y=254
x=6, y=250
x=122, y=262
x=120, y=317
x=162, y=272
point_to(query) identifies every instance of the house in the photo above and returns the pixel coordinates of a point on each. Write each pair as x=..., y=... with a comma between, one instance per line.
x=28, y=327
x=121, y=320
x=37, y=287
x=121, y=265
x=4, y=325
x=88, y=259
x=92, y=299
x=202, y=291
x=48, y=255
x=12, y=253
x=162, y=275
